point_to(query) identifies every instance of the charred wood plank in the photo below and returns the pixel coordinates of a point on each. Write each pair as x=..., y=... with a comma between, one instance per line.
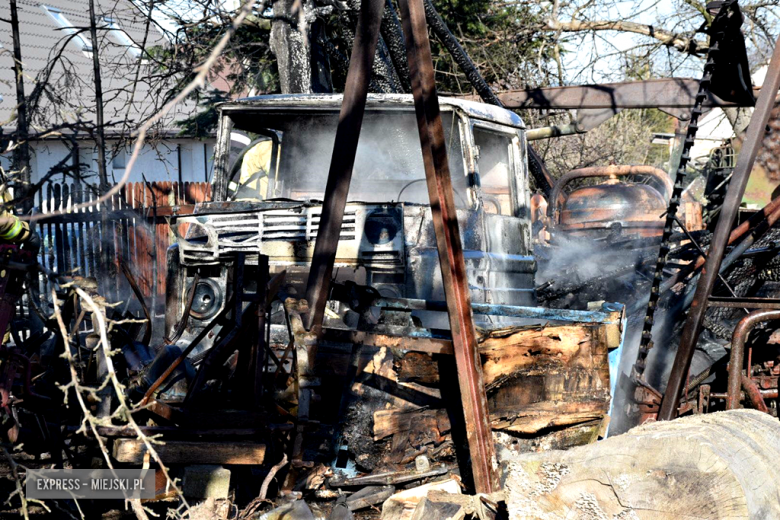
x=389, y=477
x=390, y=422
x=132, y=451
x=369, y=496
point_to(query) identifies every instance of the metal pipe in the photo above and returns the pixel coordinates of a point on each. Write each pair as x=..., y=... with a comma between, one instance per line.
x=747, y=157
x=547, y=132
x=737, y=356
x=449, y=246
x=766, y=394
x=745, y=303
x=753, y=394
x=343, y=159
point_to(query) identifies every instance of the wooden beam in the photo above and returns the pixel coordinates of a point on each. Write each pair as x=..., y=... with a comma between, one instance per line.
x=192, y=452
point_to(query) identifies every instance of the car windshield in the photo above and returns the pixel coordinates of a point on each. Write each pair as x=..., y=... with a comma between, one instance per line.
x=294, y=164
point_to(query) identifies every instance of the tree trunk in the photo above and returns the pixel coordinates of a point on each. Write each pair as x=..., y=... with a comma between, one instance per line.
x=714, y=466
x=107, y=270
x=21, y=154
x=298, y=57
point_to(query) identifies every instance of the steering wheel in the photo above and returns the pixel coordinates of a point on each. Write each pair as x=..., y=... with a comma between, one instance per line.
x=398, y=197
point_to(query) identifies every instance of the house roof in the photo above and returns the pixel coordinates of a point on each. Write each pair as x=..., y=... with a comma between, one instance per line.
x=57, y=32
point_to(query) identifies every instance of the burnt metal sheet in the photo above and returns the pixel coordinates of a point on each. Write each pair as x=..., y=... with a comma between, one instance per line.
x=747, y=156
x=453, y=266
x=610, y=313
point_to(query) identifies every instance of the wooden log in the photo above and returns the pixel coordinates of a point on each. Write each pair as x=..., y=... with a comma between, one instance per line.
x=132, y=451
x=541, y=378
x=713, y=466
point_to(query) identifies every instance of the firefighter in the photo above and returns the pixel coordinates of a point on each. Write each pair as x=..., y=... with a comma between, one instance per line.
x=13, y=230
x=255, y=167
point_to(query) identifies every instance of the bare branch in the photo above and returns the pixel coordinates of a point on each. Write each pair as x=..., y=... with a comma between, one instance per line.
x=681, y=42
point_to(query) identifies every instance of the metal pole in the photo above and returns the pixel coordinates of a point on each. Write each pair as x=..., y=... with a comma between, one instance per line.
x=747, y=156
x=343, y=159
x=448, y=242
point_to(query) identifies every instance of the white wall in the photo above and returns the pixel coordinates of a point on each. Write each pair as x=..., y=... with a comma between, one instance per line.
x=157, y=162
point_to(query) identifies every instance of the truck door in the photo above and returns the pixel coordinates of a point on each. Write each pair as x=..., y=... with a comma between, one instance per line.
x=502, y=185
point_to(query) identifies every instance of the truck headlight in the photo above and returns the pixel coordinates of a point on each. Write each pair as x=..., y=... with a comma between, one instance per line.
x=382, y=226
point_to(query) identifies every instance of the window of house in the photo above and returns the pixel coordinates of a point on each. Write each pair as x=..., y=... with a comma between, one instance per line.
x=86, y=158
x=80, y=39
x=122, y=37
x=494, y=163
x=120, y=159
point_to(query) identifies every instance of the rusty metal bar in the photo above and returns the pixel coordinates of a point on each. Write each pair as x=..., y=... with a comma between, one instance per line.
x=747, y=156
x=448, y=242
x=737, y=355
x=343, y=159
x=140, y=296
x=753, y=394
x=744, y=303
x=765, y=394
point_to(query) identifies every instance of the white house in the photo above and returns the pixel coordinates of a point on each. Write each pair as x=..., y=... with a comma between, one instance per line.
x=59, y=84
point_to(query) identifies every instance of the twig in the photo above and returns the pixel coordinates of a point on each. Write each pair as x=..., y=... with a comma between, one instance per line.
x=122, y=410
x=271, y=474
x=18, y=482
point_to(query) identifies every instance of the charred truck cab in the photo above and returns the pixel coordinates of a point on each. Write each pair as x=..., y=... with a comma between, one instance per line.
x=270, y=172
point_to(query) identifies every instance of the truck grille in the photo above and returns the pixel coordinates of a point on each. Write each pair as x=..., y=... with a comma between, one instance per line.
x=278, y=225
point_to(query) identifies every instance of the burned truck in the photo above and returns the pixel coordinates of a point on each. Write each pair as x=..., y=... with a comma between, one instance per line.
x=545, y=370
x=270, y=173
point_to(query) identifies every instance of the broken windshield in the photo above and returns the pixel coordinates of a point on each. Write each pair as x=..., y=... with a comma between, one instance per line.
x=388, y=165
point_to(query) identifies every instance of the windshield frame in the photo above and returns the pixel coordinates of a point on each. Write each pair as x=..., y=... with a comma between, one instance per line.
x=222, y=166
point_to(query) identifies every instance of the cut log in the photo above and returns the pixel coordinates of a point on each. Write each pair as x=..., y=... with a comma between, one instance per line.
x=540, y=378
x=186, y=452
x=714, y=466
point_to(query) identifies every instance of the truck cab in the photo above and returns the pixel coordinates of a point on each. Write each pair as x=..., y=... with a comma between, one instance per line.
x=271, y=166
